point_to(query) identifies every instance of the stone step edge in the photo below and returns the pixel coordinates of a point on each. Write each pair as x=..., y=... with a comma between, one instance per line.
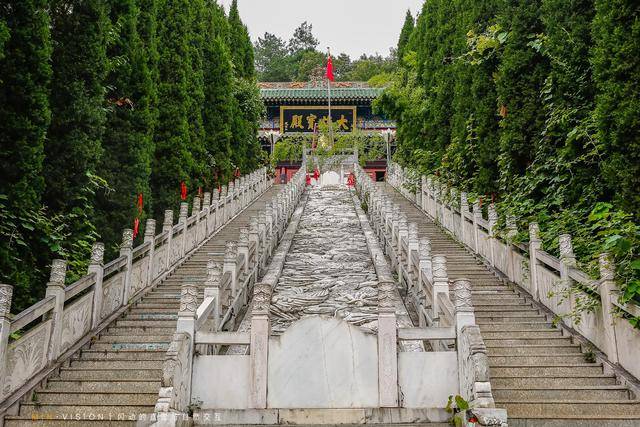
x=569, y=387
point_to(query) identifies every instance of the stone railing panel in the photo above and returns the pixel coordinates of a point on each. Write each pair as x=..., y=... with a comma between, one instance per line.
x=76, y=321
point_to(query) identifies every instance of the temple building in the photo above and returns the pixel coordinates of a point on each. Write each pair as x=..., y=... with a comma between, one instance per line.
x=300, y=108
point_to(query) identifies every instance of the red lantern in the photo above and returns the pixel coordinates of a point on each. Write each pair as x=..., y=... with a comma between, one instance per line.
x=183, y=190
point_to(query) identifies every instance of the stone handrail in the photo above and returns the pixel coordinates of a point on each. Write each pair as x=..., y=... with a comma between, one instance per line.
x=426, y=279
x=203, y=326
x=69, y=316
x=545, y=277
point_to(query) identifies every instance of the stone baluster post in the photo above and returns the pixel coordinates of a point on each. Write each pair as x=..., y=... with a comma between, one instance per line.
x=535, y=245
x=206, y=207
x=477, y=216
x=512, y=228
x=254, y=236
x=462, y=303
x=6, y=295
x=271, y=240
x=567, y=262
x=187, y=325
x=243, y=248
x=262, y=231
x=212, y=290
x=440, y=283
x=231, y=265
x=167, y=227
x=493, y=222
x=413, y=245
x=425, y=277
x=259, y=346
x=55, y=288
x=126, y=249
x=96, y=266
x=195, y=211
x=150, y=237
x=182, y=220
x=222, y=206
x=403, y=234
x=387, y=346
x=424, y=198
x=464, y=211
x=608, y=291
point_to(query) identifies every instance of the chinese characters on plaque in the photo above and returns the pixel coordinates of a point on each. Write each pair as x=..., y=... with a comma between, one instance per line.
x=305, y=119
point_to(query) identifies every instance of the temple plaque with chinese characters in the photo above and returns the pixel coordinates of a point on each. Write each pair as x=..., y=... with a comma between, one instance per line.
x=305, y=119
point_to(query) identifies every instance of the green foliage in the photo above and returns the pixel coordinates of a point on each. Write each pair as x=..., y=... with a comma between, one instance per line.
x=535, y=103
x=300, y=60
x=240, y=44
x=405, y=34
x=25, y=74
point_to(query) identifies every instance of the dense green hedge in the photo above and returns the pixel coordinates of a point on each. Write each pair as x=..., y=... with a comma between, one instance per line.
x=535, y=103
x=103, y=100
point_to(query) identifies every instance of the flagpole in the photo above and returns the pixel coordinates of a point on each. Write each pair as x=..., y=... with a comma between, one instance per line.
x=329, y=97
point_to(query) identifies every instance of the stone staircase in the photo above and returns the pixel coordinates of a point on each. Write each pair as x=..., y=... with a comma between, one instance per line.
x=116, y=378
x=538, y=371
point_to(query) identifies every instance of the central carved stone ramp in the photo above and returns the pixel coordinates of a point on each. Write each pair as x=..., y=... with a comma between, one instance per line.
x=328, y=270
x=117, y=378
x=538, y=373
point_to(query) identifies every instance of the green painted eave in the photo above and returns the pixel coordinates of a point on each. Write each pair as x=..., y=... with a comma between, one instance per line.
x=320, y=94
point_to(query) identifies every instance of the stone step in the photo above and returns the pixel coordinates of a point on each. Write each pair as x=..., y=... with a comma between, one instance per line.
x=500, y=302
x=112, y=411
x=148, y=319
x=109, y=338
x=591, y=410
x=535, y=381
x=512, y=310
x=140, y=330
x=502, y=342
x=121, y=355
x=110, y=374
x=514, y=334
x=535, y=359
x=137, y=310
x=104, y=386
x=92, y=398
x=535, y=349
x=585, y=393
x=567, y=370
x=150, y=346
x=482, y=319
x=514, y=326
x=116, y=364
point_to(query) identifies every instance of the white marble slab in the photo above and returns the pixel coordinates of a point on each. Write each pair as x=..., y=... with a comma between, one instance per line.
x=221, y=382
x=427, y=379
x=323, y=363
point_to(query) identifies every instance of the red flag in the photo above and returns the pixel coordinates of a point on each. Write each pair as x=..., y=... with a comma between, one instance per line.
x=183, y=190
x=308, y=179
x=136, y=227
x=140, y=203
x=316, y=174
x=236, y=173
x=199, y=191
x=352, y=180
x=330, y=75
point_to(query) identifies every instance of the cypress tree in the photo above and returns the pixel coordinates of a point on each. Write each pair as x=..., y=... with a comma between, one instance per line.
x=616, y=62
x=128, y=138
x=25, y=74
x=218, y=111
x=521, y=75
x=73, y=148
x=172, y=161
x=405, y=34
x=240, y=44
x=197, y=40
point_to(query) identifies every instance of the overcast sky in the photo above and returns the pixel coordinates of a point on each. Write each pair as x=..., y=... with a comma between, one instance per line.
x=351, y=26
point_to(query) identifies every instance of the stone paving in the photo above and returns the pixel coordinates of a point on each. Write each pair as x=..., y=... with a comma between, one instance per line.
x=328, y=270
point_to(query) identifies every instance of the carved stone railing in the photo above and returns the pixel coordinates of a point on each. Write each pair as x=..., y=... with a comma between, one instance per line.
x=445, y=320
x=204, y=328
x=51, y=330
x=554, y=282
